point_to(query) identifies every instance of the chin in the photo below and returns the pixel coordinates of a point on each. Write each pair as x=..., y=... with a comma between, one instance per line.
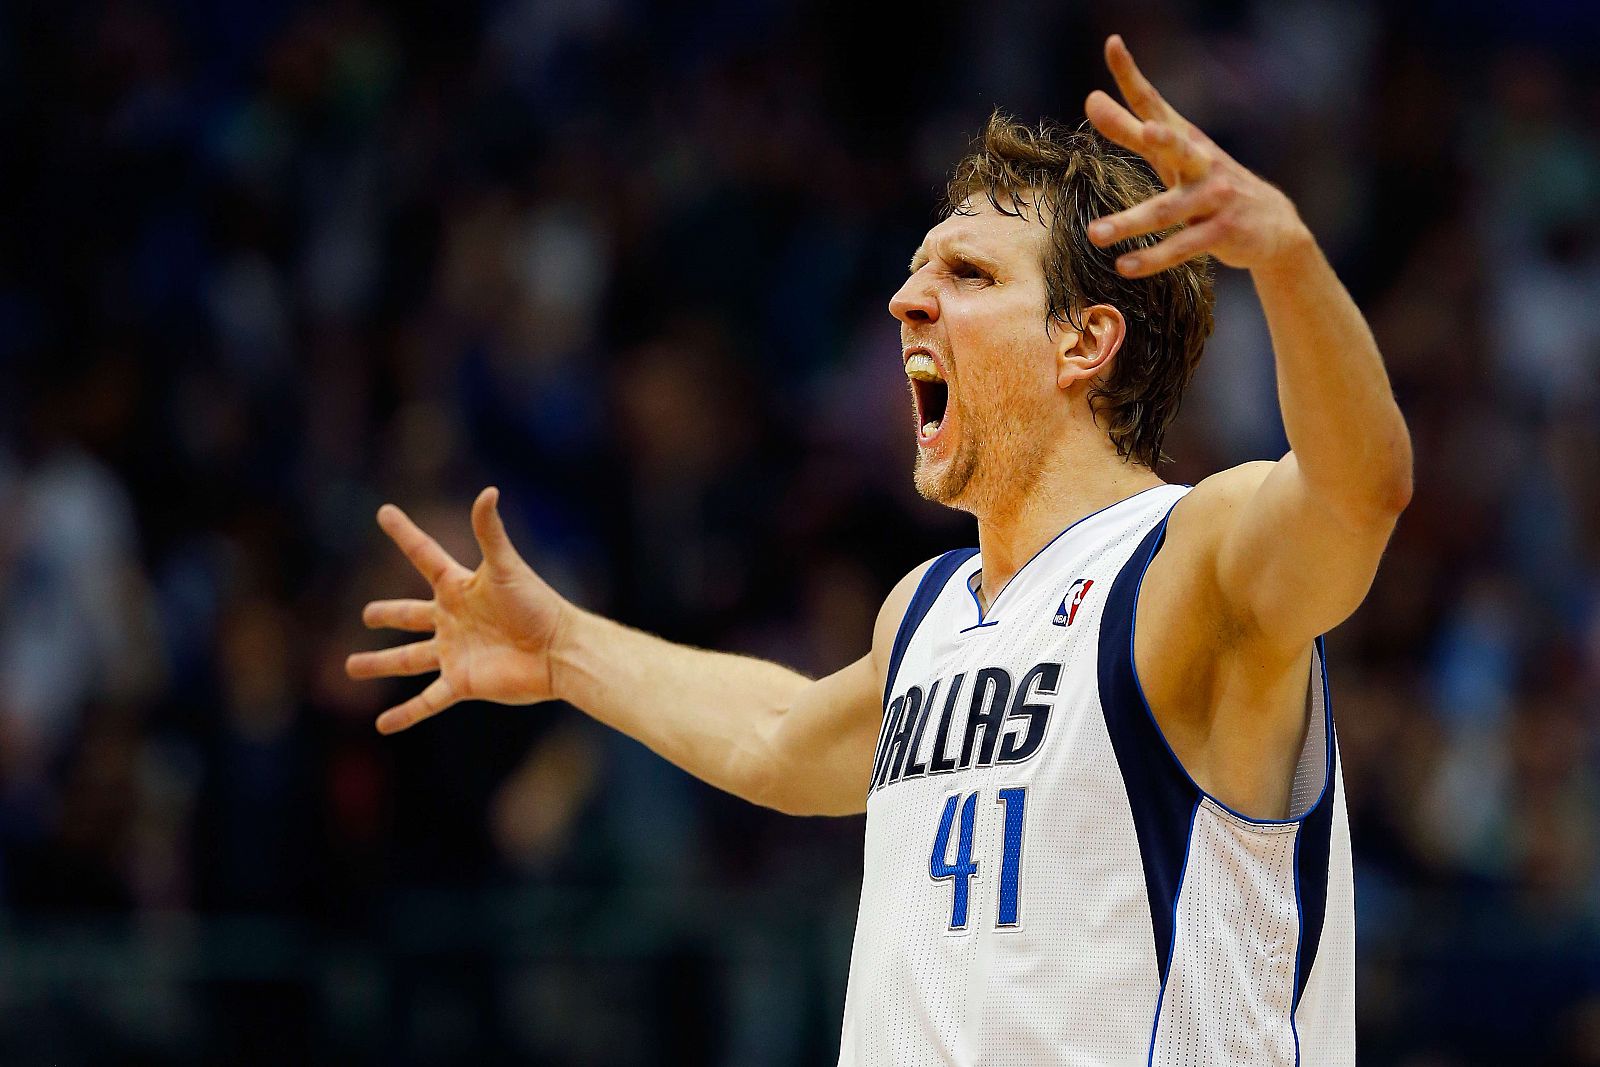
x=947, y=482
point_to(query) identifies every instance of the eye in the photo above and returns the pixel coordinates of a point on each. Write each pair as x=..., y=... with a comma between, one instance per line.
x=967, y=271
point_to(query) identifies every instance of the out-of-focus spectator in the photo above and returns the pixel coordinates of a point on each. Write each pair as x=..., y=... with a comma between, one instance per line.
x=269, y=266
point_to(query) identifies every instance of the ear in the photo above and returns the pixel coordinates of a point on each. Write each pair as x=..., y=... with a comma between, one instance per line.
x=1084, y=352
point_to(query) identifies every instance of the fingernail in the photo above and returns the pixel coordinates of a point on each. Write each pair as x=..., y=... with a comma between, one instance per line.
x=1099, y=229
x=1129, y=263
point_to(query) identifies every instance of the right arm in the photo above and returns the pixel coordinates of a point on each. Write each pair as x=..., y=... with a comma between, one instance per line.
x=753, y=728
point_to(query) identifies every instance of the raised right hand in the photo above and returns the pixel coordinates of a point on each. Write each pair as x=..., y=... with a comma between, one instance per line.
x=492, y=628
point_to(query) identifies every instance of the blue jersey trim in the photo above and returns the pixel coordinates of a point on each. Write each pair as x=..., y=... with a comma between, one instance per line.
x=1163, y=796
x=1311, y=861
x=1166, y=969
x=977, y=605
x=1162, y=799
x=1300, y=941
x=928, y=590
x=1155, y=539
x=982, y=621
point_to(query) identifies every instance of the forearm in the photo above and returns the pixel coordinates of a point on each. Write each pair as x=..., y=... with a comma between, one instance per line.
x=708, y=712
x=1339, y=413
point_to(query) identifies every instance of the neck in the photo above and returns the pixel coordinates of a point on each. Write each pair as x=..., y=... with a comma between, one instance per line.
x=1063, y=493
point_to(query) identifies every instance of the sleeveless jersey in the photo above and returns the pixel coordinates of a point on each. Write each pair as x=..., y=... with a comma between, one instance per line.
x=1044, y=882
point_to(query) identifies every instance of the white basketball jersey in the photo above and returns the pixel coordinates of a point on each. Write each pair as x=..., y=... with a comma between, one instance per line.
x=1044, y=883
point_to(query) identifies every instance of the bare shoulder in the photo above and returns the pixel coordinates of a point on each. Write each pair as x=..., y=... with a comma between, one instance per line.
x=1232, y=708
x=1212, y=505
x=1188, y=628
x=1183, y=580
x=894, y=610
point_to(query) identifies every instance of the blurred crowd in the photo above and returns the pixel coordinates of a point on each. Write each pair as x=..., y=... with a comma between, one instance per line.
x=266, y=265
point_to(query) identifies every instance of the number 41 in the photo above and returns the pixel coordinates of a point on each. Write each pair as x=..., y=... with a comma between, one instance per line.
x=961, y=872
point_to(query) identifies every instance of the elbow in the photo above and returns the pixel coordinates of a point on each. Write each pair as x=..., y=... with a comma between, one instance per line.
x=780, y=793
x=767, y=791
x=797, y=794
x=791, y=806
x=1399, y=484
x=816, y=807
x=1380, y=505
x=756, y=782
x=761, y=780
x=1399, y=494
x=1388, y=483
x=1375, y=493
x=1389, y=492
x=1376, y=506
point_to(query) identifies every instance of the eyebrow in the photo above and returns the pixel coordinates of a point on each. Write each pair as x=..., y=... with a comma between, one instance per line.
x=956, y=251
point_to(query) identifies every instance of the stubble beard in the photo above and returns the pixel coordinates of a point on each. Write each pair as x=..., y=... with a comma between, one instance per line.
x=946, y=485
x=996, y=464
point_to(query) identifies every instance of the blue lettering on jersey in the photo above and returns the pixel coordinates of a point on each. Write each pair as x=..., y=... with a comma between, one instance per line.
x=1001, y=722
x=961, y=872
x=941, y=762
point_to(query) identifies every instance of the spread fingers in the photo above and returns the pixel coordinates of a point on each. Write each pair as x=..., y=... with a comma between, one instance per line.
x=433, y=562
x=419, y=657
x=431, y=701
x=413, y=615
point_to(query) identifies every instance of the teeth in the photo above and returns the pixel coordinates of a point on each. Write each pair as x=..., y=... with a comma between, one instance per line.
x=930, y=428
x=922, y=367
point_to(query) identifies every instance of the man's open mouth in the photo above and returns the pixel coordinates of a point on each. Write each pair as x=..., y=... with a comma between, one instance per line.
x=929, y=393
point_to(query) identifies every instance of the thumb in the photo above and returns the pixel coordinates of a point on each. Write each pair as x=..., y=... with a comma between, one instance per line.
x=497, y=549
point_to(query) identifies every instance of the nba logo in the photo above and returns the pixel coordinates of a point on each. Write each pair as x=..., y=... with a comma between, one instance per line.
x=1069, y=603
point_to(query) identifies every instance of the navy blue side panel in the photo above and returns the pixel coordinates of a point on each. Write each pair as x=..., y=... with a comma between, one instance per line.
x=928, y=590
x=1311, y=852
x=1160, y=793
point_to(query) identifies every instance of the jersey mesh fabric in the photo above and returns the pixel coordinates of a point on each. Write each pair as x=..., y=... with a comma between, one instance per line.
x=1230, y=986
x=1076, y=979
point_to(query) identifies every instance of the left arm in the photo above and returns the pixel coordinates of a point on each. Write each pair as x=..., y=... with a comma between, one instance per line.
x=1295, y=543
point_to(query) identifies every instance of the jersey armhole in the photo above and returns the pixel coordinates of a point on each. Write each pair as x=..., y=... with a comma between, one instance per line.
x=1314, y=764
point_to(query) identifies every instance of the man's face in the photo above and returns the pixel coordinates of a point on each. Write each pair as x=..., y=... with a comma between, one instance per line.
x=980, y=359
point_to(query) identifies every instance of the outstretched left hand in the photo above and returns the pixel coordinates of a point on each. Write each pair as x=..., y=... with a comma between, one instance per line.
x=1224, y=209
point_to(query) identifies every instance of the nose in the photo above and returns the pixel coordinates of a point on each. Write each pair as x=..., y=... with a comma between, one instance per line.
x=915, y=302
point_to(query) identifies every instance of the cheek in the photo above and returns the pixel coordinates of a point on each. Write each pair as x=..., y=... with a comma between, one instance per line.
x=1004, y=357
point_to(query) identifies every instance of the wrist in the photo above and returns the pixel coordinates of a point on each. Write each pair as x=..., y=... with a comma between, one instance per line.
x=1294, y=252
x=567, y=640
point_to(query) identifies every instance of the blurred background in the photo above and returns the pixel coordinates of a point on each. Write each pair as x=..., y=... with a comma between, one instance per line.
x=267, y=264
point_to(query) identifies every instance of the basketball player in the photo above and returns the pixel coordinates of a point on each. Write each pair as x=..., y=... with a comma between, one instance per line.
x=1105, y=822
